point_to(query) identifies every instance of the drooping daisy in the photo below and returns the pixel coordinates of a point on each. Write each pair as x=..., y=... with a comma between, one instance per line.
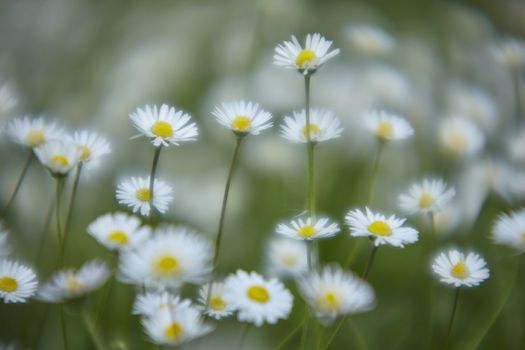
x=135, y=193
x=509, y=229
x=243, y=117
x=381, y=229
x=290, y=54
x=429, y=196
x=164, y=125
x=59, y=157
x=387, y=126
x=307, y=229
x=71, y=283
x=369, y=39
x=460, y=138
x=453, y=267
x=333, y=292
x=92, y=146
x=118, y=231
x=257, y=300
x=17, y=282
x=172, y=256
x=149, y=303
x=324, y=126
x=286, y=257
x=32, y=132
x=213, y=302
x=510, y=52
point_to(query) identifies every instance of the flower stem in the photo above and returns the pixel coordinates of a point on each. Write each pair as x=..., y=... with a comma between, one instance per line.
x=451, y=321
x=93, y=331
x=289, y=336
x=337, y=328
x=244, y=332
x=375, y=171
x=74, y=190
x=63, y=327
x=154, y=165
x=309, y=252
x=370, y=262
x=310, y=151
x=60, y=238
x=18, y=183
x=516, y=78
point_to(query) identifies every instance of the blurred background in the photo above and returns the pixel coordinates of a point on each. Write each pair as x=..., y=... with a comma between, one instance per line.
x=88, y=64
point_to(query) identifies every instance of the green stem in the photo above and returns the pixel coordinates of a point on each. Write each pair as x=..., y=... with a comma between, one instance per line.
x=156, y=157
x=310, y=151
x=63, y=327
x=289, y=336
x=60, y=238
x=432, y=217
x=18, y=183
x=370, y=262
x=353, y=253
x=451, y=321
x=337, y=328
x=375, y=171
x=107, y=289
x=517, y=86
x=244, y=332
x=309, y=249
x=43, y=233
x=74, y=190
x=93, y=331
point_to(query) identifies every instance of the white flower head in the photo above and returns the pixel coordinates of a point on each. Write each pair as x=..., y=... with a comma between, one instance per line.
x=382, y=229
x=17, y=282
x=71, y=284
x=308, y=229
x=369, y=39
x=290, y=54
x=32, y=132
x=387, y=126
x=333, y=292
x=323, y=126
x=429, y=196
x=256, y=299
x=118, y=231
x=164, y=125
x=172, y=256
x=243, y=117
x=135, y=193
x=59, y=157
x=510, y=52
x=460, y=137
x=92, y=146
x=509, y=230
x=456, y=268
x=215, y=305
x=149, y=303
x=286, y=257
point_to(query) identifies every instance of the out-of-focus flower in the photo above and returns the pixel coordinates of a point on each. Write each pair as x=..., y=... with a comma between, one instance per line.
x=369, y=39
x=474, y=104
x=59, y=157
x=243, y=117
x=386, y=126
x=213, y=303
x=460, y=137
x=510, y=52
x=135, y=193
x=92, y=146
x=5, y=248
x=286, y=257
x=308, y=229
x=516, y=146
x=17, y=282
x=32, y=132
x=453, y=267
x=323, y=126
x=8, y=98
x=149, y=303
x=429, y=196
x=509, y=229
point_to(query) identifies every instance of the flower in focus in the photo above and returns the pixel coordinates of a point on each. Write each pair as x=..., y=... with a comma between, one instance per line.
x=17, y=282
x=369, y=39
x=118, y=231
x=323, y=126
x=135, y=193
x=32, y=132
x=453, y=267
x=460, y=138
x=215, y=305
x=430, y=196
x=59, y=157
x=307, y=229
x=149, y=303
x=243, y=117
x=509, y=229
x=386, y=126
x=286, y=257
x=92, y=146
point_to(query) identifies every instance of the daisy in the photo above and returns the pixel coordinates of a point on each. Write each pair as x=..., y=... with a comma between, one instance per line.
x=386, y=126
x=164, y=125
x=72, y=284
x=453, y=267
x=333, y=292
x=290, y=54
x=429, y=196
x=32, y=132
x=256, y=299
x=510, y=52
x=509, y=229
x=135, y=193
x=460, y=137
x=150, y=303
x=381, y=229
x=17, y=282
x=216, y=307
x=243, y=117
x=92, y=146
x=172, y=256
x=59, y=157
x=287, y=257
x=369, y=39
x=323, y=126
x=118, y=231
x=308, y=229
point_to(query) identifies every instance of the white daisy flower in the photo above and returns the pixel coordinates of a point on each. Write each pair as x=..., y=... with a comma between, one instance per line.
x=92, y=146
x=460, y=137
x=256, y=299
x=215, y=305
x=150, y=303
x=172, y=327
x=290, y=54
x=172, y=256
x=307, y=229
x=333, y=292
x=118, y=231
x=286, y=257
x=381, y=229
x=243, y=117
x=510, y=52
x=59, y=157
x=32, y=132
x=387, y=126
x=429, y=196
x=453, y=267
x=369, y=39
x=135, y=193
x=324, y=126
x=509, y=229
x=17, y=282
x=70, y=283
x=164, y=125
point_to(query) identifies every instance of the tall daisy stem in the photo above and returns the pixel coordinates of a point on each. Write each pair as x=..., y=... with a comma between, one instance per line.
x=74, y=191
x=18, y=183
x=310, y=150
x=63, y=327
x=60, y=238
x=289, y=335
x=244, y=332
x=375, y=171
x=369, y=262
x=337, y=329
x=451, y=321
x=154, y=166
x=93, y=330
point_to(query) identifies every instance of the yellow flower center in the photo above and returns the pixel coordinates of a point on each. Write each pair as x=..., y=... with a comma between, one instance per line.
x=426, y=200
x=217, y=303
x=85, y=153
x=173, y=331
x=258, y=294
x=289, y=260
x=460, y=270
x=307, y=231
x=8, y=284
x=330, y=301
x=380, y=228
x=72, y=284
x=35, y=138
x=167, y=265
x=59, y=160
x=385, y=130
x=305, y=56
x=458, y=142
x=241, y=122
x=314, y=130
x=143, y=194
x=162, y=129
x=119, y=237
